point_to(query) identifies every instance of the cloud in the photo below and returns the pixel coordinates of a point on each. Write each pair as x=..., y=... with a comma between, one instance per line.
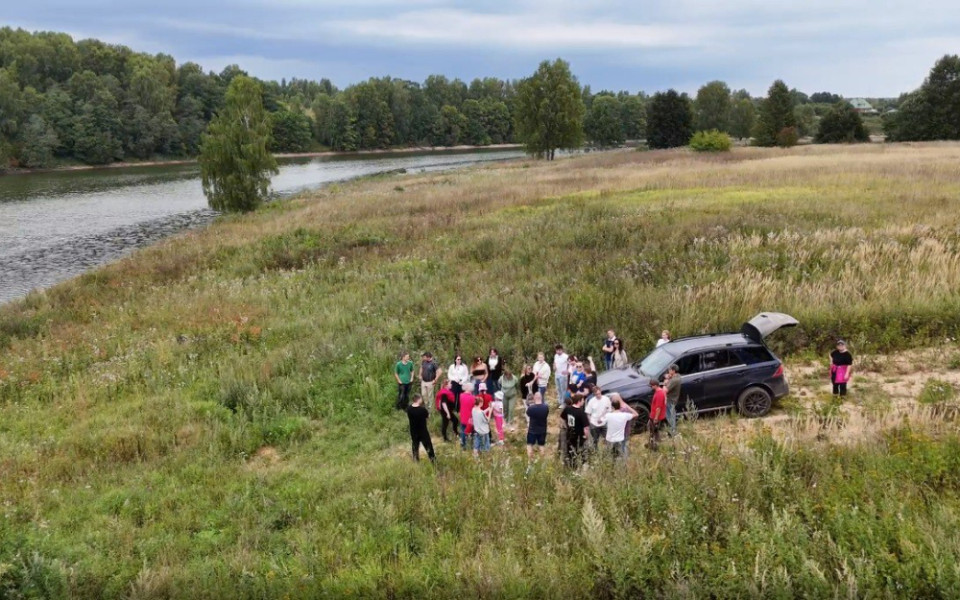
x=860, y=48
x=461, y=28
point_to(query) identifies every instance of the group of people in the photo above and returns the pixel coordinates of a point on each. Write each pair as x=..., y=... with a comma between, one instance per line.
x=479, y=401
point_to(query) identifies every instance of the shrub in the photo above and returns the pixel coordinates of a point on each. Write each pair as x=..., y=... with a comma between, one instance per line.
x=787, y=137
x=710, y=141
x=937, y=391
x=841, y=124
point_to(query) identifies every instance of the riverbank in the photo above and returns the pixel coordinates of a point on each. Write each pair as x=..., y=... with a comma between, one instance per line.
x=284, y=155
x=213, y=415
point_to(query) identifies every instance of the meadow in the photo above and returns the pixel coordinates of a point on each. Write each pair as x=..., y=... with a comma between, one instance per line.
x=212, y=416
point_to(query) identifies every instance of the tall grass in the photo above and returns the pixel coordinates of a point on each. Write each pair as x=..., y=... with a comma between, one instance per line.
x=212, y=416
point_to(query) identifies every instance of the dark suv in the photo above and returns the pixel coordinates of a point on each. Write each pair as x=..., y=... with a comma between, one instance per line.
x=719, y=371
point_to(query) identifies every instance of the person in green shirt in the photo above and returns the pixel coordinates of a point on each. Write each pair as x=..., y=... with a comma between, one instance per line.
x=403, y=372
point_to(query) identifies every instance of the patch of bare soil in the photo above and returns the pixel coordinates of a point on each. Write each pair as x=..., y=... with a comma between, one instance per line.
x=264, y=459
x=883, y=393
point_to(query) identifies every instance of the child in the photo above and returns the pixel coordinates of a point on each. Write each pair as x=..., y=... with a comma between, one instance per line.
x=498, y=415
x=664, y=338
x=481, y=430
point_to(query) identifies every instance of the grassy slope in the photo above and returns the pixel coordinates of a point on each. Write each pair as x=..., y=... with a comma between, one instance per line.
x=212, y=415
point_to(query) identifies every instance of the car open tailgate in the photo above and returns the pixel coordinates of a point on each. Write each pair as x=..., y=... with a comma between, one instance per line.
x=766, y=323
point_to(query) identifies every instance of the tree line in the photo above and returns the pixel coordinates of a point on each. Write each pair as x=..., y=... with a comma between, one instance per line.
x=87, y=101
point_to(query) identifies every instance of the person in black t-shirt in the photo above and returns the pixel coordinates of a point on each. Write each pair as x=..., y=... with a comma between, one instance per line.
x=841, y=363
x=537, y=414
x=577, y=425
x=417, y=414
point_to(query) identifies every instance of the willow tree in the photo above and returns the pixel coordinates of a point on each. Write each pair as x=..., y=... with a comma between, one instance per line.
x=235, y=166
x=549, y=110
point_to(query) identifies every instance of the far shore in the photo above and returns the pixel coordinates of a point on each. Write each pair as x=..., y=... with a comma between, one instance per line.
x=324, y=154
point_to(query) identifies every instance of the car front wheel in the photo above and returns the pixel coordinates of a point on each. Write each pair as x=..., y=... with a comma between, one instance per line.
x=754, y=402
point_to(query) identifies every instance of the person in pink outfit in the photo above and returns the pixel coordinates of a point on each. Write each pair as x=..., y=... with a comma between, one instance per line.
x=498, y=416
x=841, y=364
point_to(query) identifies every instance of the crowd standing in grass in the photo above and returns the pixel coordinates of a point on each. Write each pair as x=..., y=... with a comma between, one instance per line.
x=477, y=401
x=480, y=400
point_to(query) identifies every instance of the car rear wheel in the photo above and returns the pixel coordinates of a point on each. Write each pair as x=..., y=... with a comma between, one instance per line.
x=639, y=424
x=754, y=402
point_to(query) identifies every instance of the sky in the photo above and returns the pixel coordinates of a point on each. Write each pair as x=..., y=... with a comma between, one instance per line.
x=872, y=48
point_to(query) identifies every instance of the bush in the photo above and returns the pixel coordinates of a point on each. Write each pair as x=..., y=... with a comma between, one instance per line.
x=710, y=141
x=841, y=124
x=937, y=391
x=787, y=137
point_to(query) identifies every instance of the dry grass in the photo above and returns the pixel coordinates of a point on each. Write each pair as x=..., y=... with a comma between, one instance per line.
x=211, y=416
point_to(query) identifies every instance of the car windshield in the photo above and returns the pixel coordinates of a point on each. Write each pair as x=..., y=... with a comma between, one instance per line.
x=655, y=363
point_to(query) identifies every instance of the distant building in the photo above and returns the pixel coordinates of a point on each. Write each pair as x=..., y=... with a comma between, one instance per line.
x=862, y=106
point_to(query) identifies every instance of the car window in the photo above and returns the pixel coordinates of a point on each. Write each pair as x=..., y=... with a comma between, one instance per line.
x=719, y=359
x=753, y=355
x=655, y=363
x=689, y=364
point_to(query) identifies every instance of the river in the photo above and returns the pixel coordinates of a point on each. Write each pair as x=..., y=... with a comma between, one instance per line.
x=56, y=225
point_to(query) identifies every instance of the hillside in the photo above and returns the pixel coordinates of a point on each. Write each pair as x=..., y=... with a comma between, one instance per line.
x=212, y=416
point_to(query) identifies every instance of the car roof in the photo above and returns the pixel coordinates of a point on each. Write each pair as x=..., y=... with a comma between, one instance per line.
x=706, y=342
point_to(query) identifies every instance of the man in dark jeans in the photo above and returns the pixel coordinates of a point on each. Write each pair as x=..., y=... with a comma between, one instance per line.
x=417, y=414
x=403, y=372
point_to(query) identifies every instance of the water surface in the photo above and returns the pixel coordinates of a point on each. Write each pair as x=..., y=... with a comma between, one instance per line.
x=57, y=225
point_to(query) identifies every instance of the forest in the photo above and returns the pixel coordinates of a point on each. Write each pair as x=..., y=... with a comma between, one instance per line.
x=66, y=102
x=86, y=101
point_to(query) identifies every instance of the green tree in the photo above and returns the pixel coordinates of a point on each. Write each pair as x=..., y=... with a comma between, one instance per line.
x=669, y=120
x=38, y=142
x=743, y=117
x=235, y=166
x=549, y=110
x=496, y=119
x=712, y=107
x=805, y=116
x=603, y=124
x=933, y=111
x=343, y=126
x=633, y=115
x=776, y=114
x=475, y=131
x=825, y=98
x=374, y=121
x=841, y=124
x=11, y=104
x=450, y=127
x=98, y=131
x=290, y=131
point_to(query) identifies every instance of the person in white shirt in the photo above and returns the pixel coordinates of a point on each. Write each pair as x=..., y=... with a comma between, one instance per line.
x=597, y=409
x=664, y=338
x=459, y=376
x=542, y=372
x=561, y=368
x=617, y=419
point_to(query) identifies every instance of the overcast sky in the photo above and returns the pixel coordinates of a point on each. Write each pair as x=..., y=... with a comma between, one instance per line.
x=851, y=47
